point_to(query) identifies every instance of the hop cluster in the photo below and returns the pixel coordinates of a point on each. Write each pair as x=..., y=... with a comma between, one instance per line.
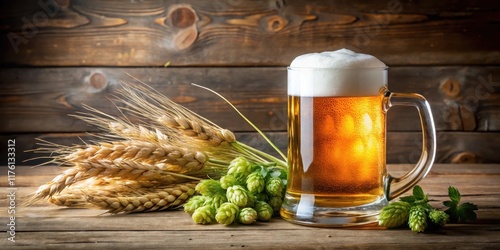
x=419, y=215
x=249, y=192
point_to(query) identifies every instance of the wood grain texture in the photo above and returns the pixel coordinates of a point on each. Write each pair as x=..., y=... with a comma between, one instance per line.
x=245, y=33
x=402, y=147
x=44, y=225
x=40, y=99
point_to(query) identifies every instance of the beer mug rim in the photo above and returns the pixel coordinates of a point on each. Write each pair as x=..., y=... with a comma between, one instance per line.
x=338, y=69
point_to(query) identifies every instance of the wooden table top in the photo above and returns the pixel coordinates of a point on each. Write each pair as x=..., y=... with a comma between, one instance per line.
x=47, y=226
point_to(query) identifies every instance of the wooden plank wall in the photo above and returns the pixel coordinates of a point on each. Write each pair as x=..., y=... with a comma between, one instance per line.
x=57, y=55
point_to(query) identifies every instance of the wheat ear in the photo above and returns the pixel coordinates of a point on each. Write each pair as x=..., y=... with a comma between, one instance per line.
x=151, y=199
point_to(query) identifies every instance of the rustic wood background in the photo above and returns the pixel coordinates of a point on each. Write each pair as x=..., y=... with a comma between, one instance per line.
x=57, y=55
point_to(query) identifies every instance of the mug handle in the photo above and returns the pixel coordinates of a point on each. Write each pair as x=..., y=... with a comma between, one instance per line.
x=397, y=186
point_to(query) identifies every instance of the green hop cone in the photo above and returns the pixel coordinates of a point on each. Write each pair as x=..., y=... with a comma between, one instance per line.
x=227, y=181
x=216, y=201
x=275, y=203
x=194, y=203
x=262, y=197
x=394, y=214
x=274, y=186
x=240, y=168
x=439, y=218
x=417, y=219
x=204, y=215
x=251, y=199
x=209, y=187
x=237, y=195
x=255, y=182
x=264, y=211
x=247, y=215
x=227, y=213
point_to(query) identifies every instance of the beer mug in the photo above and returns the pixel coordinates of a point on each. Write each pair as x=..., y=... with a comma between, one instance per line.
x=337, y=140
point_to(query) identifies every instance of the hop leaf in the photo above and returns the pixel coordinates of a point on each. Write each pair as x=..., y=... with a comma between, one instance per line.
x=459, y=212
x=454, y=194
x=418, y=192
x=240, y=168
x=274, y=186
x=209, y=187
x=394, y=214
x=255, y=182
x=216, y=201
x=227, y=181
x=275, y=203
x=237, y=195
x=264, y=211
x=417, y=219
x=439, y=218
x=194, y=203
x=227, y=213
x=204, y=215
x=247, y=215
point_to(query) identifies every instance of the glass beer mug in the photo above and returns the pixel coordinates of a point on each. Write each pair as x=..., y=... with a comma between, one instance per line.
x=337, y=140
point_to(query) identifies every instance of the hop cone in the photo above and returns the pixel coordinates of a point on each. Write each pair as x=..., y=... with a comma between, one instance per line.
x=227, y=181
x=394, y=214
x=240, y=168
x=275, y=186
x=237, y=195
x=275, y=203
x=216, y=201
x=251, y=199
x=262, y=197
x=194, y=203
x=255, y=182
x=439, y=217
x=264, y=211
x=227, y=213
x=209, y=187
x=248, y=215
x=204, y=215
x=418, y=219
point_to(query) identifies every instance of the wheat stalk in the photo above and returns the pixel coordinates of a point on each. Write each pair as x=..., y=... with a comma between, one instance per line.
x=128, y=160
x=118, y=196
x=155, y=199
x=150, y=155
x=78, y=173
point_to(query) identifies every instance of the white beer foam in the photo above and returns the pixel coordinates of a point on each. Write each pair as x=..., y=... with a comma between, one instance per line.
x=336, y=73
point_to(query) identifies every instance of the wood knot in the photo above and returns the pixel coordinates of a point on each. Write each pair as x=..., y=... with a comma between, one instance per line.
x=185, y=38
x=276, y=23
x=98, y=81
x=181, y=17
x=465, y=157
x=450, y=87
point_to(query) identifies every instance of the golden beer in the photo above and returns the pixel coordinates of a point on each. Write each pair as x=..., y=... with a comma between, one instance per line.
x=336, y=149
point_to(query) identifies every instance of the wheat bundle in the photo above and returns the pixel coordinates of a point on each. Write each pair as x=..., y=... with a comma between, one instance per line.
x=148, y=165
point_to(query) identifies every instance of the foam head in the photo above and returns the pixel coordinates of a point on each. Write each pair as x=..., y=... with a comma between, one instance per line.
x=336, y=73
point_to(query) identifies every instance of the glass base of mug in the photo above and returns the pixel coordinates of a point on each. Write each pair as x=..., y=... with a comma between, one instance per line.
x=305, y=212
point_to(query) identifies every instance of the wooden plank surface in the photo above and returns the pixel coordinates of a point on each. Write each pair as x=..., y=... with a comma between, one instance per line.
x=402, y=147
x=47, y=226
x=40, y=99
x=245, y=33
